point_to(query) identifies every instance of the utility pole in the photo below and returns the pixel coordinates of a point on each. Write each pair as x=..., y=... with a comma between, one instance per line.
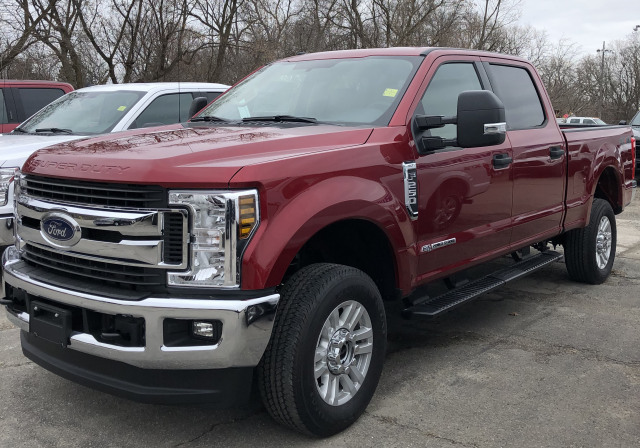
x=602, y=83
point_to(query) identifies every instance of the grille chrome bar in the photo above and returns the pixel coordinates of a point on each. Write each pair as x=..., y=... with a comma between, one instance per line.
x=134, y=223
x=130, y=237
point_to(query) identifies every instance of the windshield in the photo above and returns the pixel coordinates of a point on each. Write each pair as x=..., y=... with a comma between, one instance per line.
x=84, y=112
x=636, y=120
x=339, y=91
x=599, y=121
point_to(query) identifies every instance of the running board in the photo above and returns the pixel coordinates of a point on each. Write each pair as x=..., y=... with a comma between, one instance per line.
x=434, y=306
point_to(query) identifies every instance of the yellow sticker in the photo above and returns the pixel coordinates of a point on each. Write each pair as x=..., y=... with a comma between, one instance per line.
x=390, y=92
x=121, y=108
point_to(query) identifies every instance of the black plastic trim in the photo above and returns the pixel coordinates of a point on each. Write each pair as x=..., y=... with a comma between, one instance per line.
x=221, y=388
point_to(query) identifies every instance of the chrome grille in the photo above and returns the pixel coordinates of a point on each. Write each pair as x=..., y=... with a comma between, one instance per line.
x=110, y=274
x=94, y=193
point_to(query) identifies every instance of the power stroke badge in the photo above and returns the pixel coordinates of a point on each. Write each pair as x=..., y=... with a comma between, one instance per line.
x=438, y=245
x=60, y=229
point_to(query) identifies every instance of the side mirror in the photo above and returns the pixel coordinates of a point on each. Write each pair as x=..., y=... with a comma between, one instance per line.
x=622, y=122
x=481, y=119
x=197, y=105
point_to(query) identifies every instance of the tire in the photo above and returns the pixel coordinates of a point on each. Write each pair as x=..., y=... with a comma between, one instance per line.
x=590, y=251
x=305, y=379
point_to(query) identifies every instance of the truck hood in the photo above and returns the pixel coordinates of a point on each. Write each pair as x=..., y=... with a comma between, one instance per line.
x=187, y=156
x=16, y=148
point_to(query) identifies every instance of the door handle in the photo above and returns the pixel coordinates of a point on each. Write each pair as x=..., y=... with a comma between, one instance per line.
x=556, y=152
x=501, y=160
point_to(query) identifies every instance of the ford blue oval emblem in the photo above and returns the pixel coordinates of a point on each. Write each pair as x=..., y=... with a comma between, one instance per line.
x=59, y=229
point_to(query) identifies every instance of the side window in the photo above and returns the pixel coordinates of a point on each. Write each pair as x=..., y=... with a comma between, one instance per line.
x=34, y=99
x=574, y=121
x=213, y=95
x=4, y=119
x=517, y=91
x=166, y=109
x=588, y=121
x=441, y=96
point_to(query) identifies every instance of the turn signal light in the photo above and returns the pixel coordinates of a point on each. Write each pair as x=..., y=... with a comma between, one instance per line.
x=247, y=221
x=633, y=157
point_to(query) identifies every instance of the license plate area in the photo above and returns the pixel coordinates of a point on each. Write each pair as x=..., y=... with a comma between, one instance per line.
x=50, y=322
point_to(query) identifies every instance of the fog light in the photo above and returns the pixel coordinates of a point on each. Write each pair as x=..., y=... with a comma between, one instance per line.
x=203, y=330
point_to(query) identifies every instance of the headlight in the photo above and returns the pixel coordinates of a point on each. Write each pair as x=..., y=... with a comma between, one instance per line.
x=221, y=224
x=6, y=177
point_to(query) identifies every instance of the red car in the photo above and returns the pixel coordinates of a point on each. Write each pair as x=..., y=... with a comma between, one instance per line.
x=21, y=99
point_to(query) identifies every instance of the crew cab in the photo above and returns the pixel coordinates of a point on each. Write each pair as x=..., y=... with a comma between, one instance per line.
x=265, y=235
x=19, y=99
x=92, y=111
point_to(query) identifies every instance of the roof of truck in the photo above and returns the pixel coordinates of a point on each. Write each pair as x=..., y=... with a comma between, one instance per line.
x=153, y=86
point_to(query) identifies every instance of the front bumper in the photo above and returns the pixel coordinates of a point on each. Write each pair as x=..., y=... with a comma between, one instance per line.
x=241, y=344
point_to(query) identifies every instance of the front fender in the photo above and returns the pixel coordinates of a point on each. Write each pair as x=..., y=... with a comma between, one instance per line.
x=288, y=226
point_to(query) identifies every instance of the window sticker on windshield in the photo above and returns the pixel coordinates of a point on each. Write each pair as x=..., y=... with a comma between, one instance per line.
x=244, y=111
x=122, y=108
x=390, y=92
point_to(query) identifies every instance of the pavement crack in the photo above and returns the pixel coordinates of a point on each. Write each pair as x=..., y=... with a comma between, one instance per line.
x=218, y=424
x=394, y=421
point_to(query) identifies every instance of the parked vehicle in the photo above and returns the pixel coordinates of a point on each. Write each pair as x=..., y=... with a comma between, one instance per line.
x=92, y=111
x=635, y=127
x=21, y=99
x=584, y=120
x=264, y=235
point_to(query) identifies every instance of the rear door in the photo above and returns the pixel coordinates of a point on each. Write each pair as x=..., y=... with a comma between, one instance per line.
x=464, y=198
x=539, y=152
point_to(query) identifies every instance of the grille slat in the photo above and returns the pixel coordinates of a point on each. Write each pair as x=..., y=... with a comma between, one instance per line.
x=173, y=238
x=108, y=273
x=95, y=193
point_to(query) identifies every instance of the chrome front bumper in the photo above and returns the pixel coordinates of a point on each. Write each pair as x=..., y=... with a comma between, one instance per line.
x=241, y=345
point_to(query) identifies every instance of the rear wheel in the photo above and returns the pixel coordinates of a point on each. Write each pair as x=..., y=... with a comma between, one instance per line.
x=325, y=355
x=590, y=251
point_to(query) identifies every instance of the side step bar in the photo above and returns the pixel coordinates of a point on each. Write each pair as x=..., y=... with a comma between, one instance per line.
x=434, y=306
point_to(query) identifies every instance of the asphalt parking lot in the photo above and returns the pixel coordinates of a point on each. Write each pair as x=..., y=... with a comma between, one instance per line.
x=543, y=362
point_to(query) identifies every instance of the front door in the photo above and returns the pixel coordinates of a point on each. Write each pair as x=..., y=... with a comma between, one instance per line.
x=464, y=194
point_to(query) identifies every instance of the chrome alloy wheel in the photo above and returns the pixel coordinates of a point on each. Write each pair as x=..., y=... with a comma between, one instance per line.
x=603, y=242
x=343, y=353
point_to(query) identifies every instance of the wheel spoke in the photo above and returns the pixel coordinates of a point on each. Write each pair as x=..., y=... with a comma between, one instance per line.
x=320, y=354
x=356, y=375
x=334, y=320
x=332, y=390
x=321, y=370
x=361, y=349
x=362, y=333
x=347, y=384
x=351, y=316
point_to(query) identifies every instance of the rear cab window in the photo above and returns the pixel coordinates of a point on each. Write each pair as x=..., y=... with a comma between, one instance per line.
x=517, y=90
x=35, y=98
x=4, y=118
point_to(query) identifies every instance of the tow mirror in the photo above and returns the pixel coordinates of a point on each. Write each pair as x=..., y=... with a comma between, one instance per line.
x=197, y=105
x=480, y=120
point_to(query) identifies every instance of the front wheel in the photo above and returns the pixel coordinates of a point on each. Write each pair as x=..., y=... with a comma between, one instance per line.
x=324, y=359
x=589, y=252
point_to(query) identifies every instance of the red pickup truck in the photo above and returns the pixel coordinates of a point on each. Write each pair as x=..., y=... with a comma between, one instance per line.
x=263, y=236
x=21, y=99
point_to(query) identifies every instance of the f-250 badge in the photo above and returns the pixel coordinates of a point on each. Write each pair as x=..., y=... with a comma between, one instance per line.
x=410, y=188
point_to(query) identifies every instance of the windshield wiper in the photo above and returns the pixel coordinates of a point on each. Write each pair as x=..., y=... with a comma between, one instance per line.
x=55, y=130
x=208, y=118
x=19, y=130
x=281, y=119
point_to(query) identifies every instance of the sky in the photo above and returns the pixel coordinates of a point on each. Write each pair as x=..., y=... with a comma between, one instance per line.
x=585, y=22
